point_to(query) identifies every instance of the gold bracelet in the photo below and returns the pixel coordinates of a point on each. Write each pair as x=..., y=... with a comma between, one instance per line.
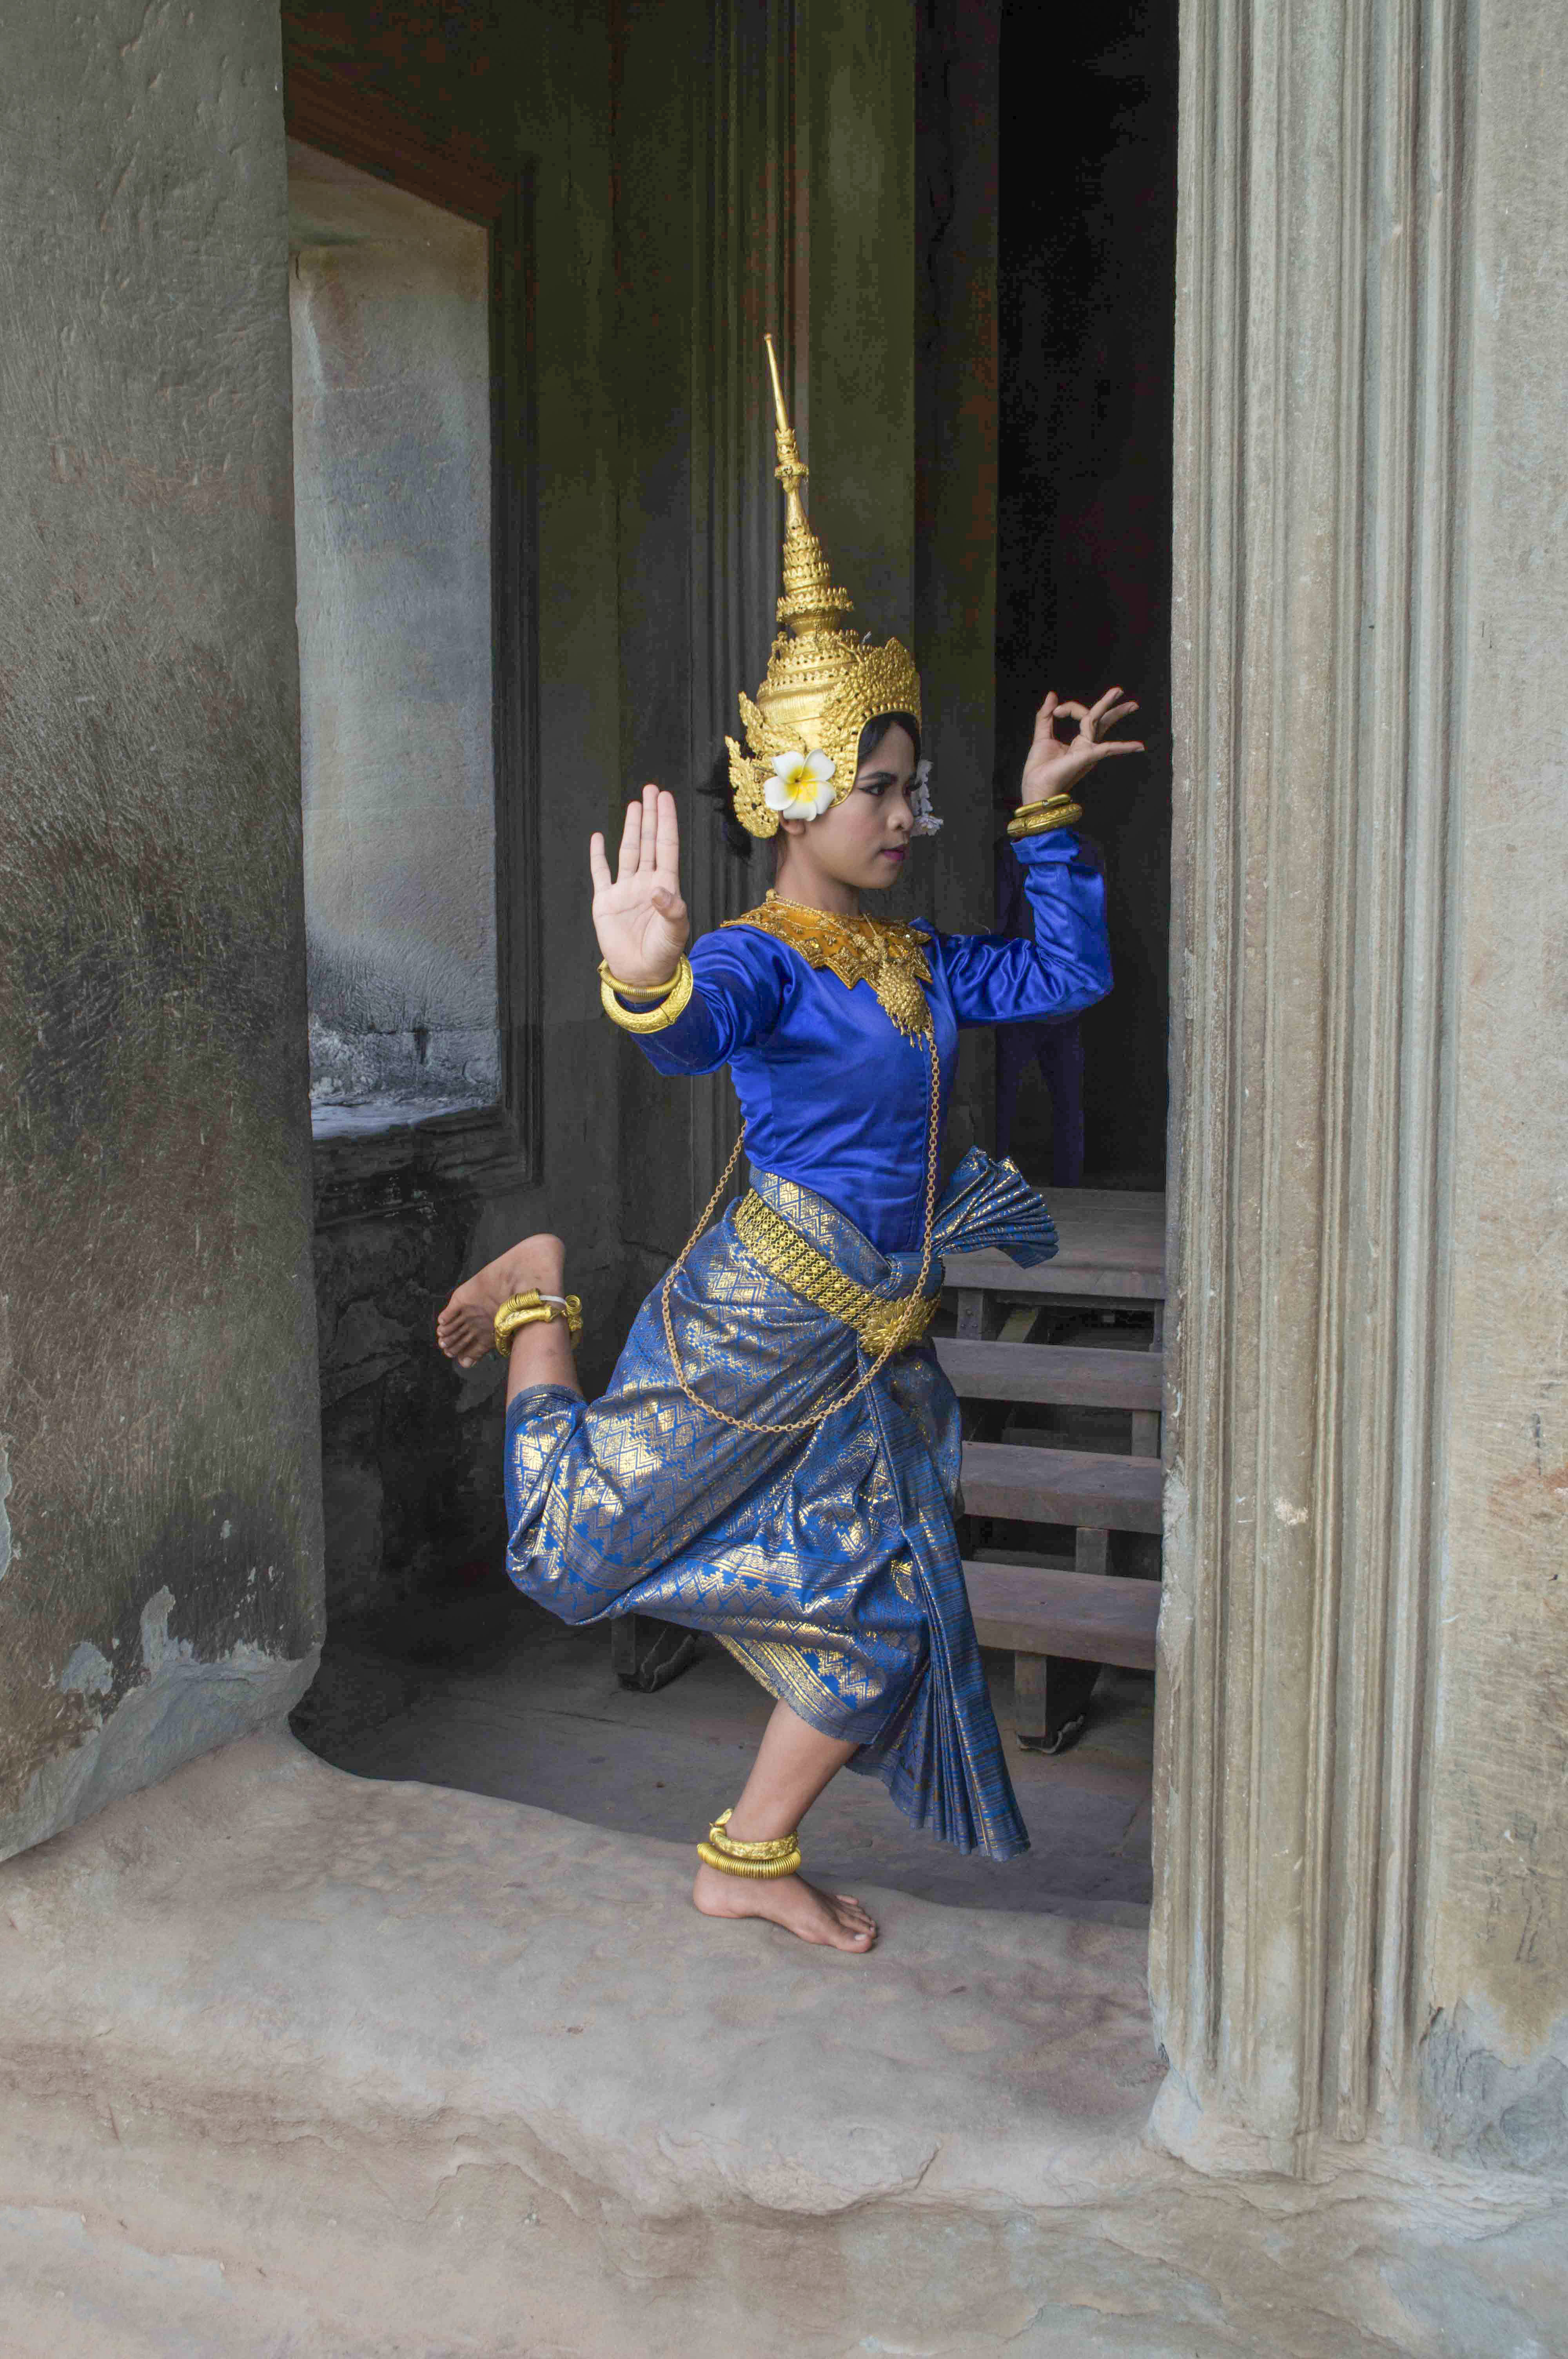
x=675, y=995
x=637, y=990
x=1043, y=819
x=530, y=1310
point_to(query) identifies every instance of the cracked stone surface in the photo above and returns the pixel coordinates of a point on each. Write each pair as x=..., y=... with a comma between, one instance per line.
x=300, y=2062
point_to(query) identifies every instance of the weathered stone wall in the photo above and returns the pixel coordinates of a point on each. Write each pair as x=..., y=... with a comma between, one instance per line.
x=389, y=305
x=159, y=1503
x=1493, y=2059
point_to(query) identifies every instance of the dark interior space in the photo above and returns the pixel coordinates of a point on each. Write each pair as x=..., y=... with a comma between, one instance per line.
x=1085, y=329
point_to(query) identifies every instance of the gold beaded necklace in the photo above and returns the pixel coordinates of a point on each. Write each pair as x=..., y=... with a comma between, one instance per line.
x=886, y=952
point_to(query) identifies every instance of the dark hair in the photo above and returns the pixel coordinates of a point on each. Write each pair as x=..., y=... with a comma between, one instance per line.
x=874, y=733
x=740, y=840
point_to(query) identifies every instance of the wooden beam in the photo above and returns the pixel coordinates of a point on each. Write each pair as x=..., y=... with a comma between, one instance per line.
x=1058, y=1374
x=1063, y=1486
x=1092, y=1618
x=996, y=1273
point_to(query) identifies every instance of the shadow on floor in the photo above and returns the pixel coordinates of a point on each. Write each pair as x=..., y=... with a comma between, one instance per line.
x=482, y=1690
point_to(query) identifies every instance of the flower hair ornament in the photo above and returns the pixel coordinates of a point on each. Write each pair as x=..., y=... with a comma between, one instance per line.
x=801, y=785
x=926, y=819
x=822, y=683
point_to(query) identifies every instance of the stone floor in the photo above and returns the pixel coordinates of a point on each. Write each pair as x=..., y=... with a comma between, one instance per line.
x=300, y=2065
x=483, y=1690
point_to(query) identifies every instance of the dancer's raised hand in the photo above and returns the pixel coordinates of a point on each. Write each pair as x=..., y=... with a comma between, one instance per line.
x=1054, y=767
x=639, y=917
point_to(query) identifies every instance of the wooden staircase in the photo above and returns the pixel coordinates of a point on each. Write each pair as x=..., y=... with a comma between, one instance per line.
x=1061, y=1618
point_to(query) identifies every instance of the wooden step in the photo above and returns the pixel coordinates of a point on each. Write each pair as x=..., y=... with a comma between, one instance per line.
x=1110, y=1242
x=995, y=1272
x=1088, y=1617
x=1059, y=1374
x=1062, y=1487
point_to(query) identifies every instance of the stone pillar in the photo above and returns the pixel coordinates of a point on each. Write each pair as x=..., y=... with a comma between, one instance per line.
x=1322, y=446
x=749, y=276
x=1488, y=1950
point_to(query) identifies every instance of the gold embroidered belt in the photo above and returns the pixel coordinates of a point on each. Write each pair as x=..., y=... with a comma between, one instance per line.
x=785, y=1254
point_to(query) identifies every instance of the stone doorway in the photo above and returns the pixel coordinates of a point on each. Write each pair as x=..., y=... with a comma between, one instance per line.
x=1081, y=261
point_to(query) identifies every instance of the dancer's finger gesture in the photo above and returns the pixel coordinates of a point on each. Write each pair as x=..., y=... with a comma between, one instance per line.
x=1056, y=766
x=639, y=917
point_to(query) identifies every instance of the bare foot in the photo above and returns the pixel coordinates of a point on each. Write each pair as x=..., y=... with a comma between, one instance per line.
x=835, y=1920
x=466, y=1328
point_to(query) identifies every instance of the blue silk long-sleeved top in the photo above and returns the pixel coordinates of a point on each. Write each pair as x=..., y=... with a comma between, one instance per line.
x=834, y=1096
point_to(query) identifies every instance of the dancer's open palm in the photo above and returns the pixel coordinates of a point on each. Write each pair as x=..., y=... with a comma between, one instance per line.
x=639, y=917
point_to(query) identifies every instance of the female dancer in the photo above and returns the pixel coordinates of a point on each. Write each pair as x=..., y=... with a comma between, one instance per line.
x=776, y=1459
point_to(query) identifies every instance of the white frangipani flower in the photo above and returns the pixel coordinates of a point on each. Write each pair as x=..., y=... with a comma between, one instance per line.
x=801, y=785
x=926, y=819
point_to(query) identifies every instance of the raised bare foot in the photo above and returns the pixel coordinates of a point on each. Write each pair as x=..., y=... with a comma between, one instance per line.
x=466, y=1328
x=835, y=1920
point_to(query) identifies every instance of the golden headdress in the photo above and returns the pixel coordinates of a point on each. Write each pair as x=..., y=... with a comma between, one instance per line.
x=823, y=684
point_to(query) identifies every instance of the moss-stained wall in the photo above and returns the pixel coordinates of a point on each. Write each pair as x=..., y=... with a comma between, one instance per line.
x=159, y=1503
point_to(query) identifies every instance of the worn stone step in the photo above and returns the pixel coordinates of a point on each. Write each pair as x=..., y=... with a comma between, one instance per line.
x=1062, y=1487
x=1090, y=1617
x=1058, y=1374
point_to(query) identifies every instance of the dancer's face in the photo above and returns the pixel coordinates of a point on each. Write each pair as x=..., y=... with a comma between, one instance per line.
x=860, y=845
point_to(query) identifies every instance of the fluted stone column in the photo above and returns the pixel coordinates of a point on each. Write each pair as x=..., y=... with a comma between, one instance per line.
x=749, y=276
x=1368, y=217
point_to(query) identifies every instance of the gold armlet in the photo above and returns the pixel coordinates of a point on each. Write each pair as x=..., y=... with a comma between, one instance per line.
x=671, y=995
x=1043, y=819
x=779, y=1856
x=531, y=1309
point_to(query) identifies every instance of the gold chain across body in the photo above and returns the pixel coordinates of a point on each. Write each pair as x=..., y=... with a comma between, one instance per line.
x=892, y=959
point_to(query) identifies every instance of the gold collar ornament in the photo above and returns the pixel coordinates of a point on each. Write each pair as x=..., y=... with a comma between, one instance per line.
x=883, y=951
x=823, y=684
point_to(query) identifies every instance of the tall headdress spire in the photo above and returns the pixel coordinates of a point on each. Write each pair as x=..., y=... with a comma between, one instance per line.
x=822, y=683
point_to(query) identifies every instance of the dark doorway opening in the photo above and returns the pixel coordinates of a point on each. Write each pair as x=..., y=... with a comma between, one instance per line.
x=1086, y=334
x=465, y=1684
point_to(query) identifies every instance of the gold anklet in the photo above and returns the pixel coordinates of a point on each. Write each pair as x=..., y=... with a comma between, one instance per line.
x=531, y=1309
x=778, y=1855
